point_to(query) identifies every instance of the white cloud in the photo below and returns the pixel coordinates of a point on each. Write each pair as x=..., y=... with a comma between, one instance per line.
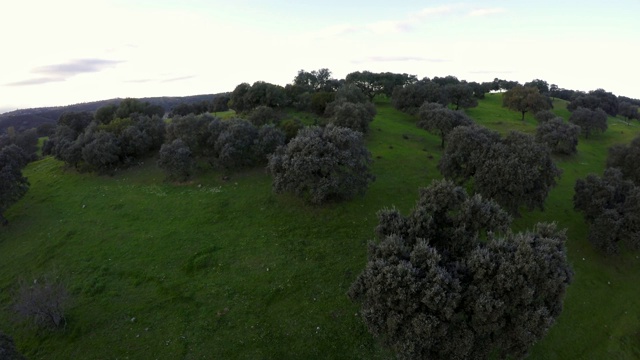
x=486, y=11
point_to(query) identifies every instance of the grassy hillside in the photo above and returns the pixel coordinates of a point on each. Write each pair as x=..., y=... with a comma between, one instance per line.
x=225, y=269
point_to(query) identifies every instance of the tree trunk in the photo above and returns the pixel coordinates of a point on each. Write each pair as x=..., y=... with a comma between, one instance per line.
x=523, y=115
x=442, y=141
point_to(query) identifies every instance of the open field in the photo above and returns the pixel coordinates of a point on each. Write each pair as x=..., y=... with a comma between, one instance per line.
x=225, y=269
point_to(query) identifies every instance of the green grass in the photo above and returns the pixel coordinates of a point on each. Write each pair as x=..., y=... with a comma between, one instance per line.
x=226, y=269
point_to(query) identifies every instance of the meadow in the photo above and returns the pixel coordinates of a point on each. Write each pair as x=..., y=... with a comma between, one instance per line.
x=221, y=268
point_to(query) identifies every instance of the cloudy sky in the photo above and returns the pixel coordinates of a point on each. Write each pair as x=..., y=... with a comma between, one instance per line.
x=68, y=51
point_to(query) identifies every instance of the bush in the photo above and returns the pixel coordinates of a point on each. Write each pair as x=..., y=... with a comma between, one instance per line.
x=322, y=164
x=355, y=116
x=626, y=158
x=191, y=129
x=269, y=139
x=43, y=302
x=263, y=115
x=234, y=145
x=103, y=152
x=442, y=284
x=176, y=160
x=560, y=137
x=544, y=116
x=291, y=127
x=610, y=205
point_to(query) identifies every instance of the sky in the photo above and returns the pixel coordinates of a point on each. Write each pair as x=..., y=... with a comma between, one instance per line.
x=70, y=51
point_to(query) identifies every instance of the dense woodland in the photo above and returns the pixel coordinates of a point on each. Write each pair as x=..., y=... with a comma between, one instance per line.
x=451, y=279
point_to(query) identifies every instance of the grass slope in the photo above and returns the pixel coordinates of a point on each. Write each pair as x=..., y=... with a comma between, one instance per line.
x=226, y=269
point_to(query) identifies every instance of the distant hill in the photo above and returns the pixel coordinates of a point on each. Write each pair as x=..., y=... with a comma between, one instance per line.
x=24, y=119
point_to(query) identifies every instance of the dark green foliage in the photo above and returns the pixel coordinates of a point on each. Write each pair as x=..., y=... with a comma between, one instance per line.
x=76, y=121
x=245, y=97
x=130, y=106
x=355, y=116
x=373, y=84
x=26, y=140
x=541, y=85
x=102, y=152
x=559, y=136
x=499, y=84
x=513, y=171
x=146, y=135
x=627, y=159
x=13, y=185
x=410, y=97
x=220, y=103
x=184, y=109
x=322, y=164
x=238, y=101
x=291, y=127
x=43, y=302
x=517, y=171
x=595, y=99
x=460, y=95
x=525, y=99
x=611, y=207
x=465, y=150
x=314, y=81
x=268, y=140
x=176, y=160
x=191, y=129
x=105, y=114
x=589, y=120
x=116, y=126
x=440, y=284
x=350, y=93
x=46, y=129
x=320, y=100
x=234, y=145
x=65, y=147
x=8, y=349
x=263, y=115
x=628, y=110
x=436, y=118
x=544, y=116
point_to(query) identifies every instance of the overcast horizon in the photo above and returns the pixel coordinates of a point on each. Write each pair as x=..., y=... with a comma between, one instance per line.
x=75, y=51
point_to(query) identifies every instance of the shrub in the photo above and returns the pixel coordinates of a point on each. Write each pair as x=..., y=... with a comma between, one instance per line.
x=355, y=116
x=176, y=160
x=43, y=302
x=268, y=140
x=263, y=115
x=322, y=164
x=442, y=284
x=234, y=145
x=560, y=137
x=611, y=207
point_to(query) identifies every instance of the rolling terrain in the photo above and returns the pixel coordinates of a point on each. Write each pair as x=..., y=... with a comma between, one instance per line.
x=223, y=268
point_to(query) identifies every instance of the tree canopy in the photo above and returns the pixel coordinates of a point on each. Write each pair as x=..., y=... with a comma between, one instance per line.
x=434, y=117
x=13, y=185
x=450, y=281
x=559, y=136
x=514, y=171
x=626, y=158
x=589, y=120
x=525, y=99
x=611, y=207
x=322, y=164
